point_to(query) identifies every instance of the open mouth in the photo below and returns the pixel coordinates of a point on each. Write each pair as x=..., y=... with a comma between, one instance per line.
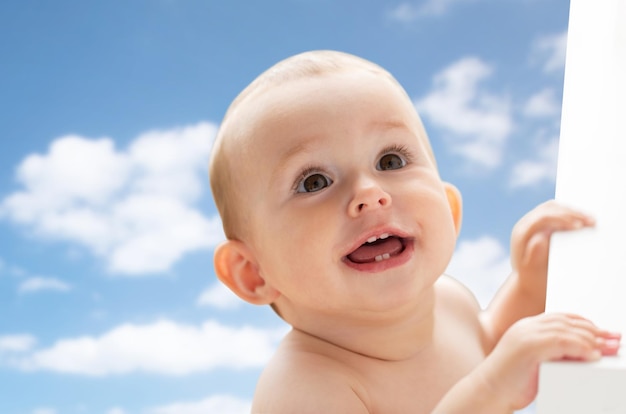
x=377, y=249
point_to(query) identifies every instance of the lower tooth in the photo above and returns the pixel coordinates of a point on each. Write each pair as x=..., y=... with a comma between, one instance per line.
x=381, y=257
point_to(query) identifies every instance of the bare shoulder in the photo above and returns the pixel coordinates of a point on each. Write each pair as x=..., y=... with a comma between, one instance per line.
x=450, y=290
x=457, y=301
x=303, y=377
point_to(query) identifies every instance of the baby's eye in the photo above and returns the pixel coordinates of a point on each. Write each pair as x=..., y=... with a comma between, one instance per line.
x=314, y=182
x=390, y=162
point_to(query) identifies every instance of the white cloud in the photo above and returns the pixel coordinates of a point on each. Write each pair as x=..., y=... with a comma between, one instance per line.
x=17, y=343
x=411, y=11
x=543, y=104
x=219, y=296
x=482, y=265
x=404, y=12
x=477, y=123
x=37, y=284
x=223, y=404
x=136, y=208
x=549, y=52
x=527, y=173
x=162, y=347
x=16, y=271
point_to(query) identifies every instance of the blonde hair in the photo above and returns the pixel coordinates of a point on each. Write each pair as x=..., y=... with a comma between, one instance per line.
x=308, y=64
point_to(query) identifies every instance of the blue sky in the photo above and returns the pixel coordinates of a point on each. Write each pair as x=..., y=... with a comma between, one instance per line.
x=108, y=300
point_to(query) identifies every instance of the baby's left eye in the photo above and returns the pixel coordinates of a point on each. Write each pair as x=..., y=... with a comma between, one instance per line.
x=390, y=162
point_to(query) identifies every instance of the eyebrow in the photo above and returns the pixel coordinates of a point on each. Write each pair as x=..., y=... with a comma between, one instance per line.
x=390, y=124
x=304, y=144
x=301, y=146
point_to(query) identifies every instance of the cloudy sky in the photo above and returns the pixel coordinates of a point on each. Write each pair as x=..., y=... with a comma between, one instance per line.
x=108, y=300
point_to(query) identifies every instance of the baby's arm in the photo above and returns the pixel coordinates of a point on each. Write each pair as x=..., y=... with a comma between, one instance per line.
x=524, y=292
x=507, y=380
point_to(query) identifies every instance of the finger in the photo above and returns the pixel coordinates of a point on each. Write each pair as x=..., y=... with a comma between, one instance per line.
x=560, y=220
x=553, y=216
x=581, y=322
x=543, y=221
x=609, y=346
x=584, y=326
x=554, y=207
x=609, y=342
x=569, y=319
x=609, y=334
x=577, y=346
x=577, y=327
x=606, y=342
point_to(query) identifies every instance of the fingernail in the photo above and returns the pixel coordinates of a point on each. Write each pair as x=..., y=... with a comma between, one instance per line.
x=612, y=343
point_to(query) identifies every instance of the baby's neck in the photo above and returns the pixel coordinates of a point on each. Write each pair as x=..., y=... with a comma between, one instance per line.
x=400, y=335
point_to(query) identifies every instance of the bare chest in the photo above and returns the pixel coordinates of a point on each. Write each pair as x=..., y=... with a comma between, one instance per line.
x=418, y=385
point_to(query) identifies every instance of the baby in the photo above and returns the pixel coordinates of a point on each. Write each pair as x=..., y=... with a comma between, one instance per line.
x=335, y=215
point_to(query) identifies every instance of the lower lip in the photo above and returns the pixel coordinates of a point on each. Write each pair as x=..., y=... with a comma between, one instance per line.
x=386, y=264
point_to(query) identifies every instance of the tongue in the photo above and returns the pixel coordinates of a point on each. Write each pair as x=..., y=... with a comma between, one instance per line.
x=367, y=253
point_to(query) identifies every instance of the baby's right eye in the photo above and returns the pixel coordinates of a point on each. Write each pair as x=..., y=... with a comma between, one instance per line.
x=313, y=182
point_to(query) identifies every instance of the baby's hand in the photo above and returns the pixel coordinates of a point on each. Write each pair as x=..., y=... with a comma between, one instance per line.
x=512, y=369
x=530, y=239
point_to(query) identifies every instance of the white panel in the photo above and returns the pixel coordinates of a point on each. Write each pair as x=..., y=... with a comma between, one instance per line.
x=569, y=388
x=587, y=271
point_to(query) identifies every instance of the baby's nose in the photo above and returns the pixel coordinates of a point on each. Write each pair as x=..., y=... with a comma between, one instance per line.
x=368, y=197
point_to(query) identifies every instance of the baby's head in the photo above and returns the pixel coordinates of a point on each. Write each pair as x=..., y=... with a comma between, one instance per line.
x=236, y=129
x=306, y=166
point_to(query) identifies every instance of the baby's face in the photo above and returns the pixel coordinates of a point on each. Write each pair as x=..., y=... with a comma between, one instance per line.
x=347, y=209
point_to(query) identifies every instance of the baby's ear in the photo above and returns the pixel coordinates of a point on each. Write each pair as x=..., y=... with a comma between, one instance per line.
x=236, y=268
x=456, y=205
